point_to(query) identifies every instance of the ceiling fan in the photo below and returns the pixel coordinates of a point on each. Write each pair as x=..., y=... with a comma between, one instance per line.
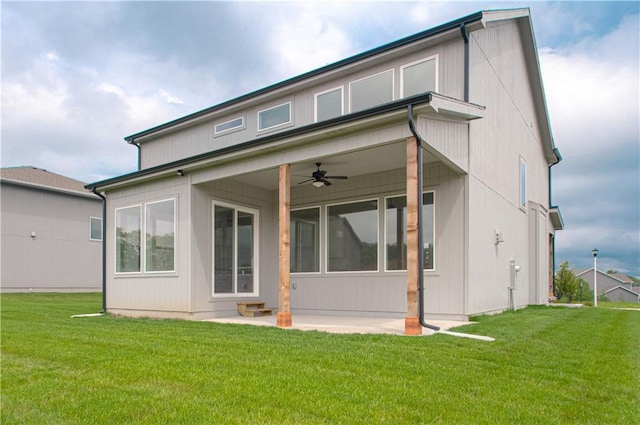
x=319, y=177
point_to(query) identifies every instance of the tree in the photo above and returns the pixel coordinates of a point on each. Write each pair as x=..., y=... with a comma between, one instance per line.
x=567, y=284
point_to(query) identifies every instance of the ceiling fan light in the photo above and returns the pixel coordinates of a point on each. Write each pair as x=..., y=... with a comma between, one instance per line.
x=318, y=184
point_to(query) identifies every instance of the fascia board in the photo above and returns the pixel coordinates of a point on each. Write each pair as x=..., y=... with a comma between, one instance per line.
x=50, y=188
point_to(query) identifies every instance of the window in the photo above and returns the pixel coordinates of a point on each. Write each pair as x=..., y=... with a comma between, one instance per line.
x=371, y=91
x=419, y=77
x=353, y=236
x=95, y=229
x=128, y=239
x=229, y=125
x=305, y=240
x=274, y=117
x=523, y=183
x=234, y=250
x=396, y=231
x=329, y=104
x=160, y=236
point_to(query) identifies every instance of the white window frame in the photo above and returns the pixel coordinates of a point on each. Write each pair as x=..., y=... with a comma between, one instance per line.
x=419, y=61
x=144, y=242
x=351, y=83
x=115, y=245
x=384, y=218
x=230, y=129
x=522, y=184
x=341, y=88
x=289, y=122
x=320, y=236
x=326, y=229
x=256, y=250
x=101, y=229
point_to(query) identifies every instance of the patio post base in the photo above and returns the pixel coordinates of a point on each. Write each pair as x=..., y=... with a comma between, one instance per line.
x=283, y=319
x=412, y=326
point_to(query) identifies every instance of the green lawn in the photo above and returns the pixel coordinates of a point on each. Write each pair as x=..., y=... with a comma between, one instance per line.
x=547, y=366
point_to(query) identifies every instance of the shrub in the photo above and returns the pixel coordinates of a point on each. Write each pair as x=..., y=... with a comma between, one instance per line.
x=567, y=284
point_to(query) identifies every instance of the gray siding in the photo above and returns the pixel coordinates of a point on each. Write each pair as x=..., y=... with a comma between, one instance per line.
x=499, y=80
x=201, y=138
x=60, y=257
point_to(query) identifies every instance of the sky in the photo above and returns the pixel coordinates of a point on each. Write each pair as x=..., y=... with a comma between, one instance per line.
x=77, y=77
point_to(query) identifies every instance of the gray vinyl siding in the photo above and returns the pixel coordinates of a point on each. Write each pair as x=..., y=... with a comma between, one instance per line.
x=507, y=132
x=60, y=257
x=166, y=294
x=200, y=138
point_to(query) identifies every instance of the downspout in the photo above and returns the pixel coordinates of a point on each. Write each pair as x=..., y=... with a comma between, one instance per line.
x=419, y=142
x=465, y=37
x=556, y=153
x=104, y=249
x=137, y=145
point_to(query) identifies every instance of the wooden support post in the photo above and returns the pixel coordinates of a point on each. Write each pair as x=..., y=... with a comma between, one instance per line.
x=283, y=319
x=412, y=324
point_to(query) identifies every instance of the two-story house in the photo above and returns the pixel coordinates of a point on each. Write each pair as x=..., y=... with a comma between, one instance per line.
x=421, y=163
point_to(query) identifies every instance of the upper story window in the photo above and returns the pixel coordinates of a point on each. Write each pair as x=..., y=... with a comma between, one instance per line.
x=371, y=91
x=329, y=104
x=229, y=125
x=274, y=117
x=419, y=77
x=95, y=229
x=523, y=183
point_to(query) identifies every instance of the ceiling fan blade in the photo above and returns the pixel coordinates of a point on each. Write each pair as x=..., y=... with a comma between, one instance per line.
x=336, y=177
x=306, y=181
x=326, y=182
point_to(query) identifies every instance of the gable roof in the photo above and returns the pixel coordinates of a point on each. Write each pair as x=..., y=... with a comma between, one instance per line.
x=616, y=276
x=622, y=288
x=42, y=179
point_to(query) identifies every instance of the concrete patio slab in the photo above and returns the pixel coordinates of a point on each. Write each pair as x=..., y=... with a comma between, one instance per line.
x=341, y=324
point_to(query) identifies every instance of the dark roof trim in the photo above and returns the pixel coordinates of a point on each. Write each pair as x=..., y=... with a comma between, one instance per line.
x=453, y=25
x=388, y=107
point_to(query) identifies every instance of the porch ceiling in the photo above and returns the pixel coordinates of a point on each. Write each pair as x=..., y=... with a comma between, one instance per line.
x=379, y=159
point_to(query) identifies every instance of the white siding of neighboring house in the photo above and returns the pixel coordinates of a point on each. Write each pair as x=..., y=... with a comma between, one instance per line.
x=60, y=257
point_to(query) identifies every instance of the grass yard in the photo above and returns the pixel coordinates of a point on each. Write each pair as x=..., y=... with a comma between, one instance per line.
x=547, y=366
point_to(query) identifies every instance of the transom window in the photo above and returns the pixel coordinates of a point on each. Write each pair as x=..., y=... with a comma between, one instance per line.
x=353, y=236
x=234, y=250
x=396, y=231
x=229, y=125
x=274, y=117
x=371, y=91
x=329, y=104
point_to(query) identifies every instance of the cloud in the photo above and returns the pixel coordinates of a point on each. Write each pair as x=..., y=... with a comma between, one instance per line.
x=592, y=91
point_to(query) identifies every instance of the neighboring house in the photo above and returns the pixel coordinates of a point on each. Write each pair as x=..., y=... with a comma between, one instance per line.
x=616, y=287
x=219, y=194
x=51, y=233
